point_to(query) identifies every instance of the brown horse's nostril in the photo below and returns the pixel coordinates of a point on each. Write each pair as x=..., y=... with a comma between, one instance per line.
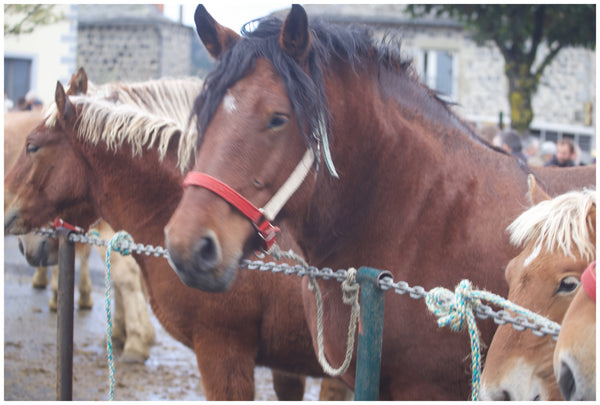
x=207, y=253
x=505, y=396
x=566, y=382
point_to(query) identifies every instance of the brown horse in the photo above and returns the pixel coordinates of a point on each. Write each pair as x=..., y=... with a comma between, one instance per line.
x=16, y=127
x=575, y=353
x=101, y=159
x=407, y=186
x=558, y=240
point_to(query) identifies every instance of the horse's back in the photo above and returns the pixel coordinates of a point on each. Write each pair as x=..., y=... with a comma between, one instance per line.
x=559, y=180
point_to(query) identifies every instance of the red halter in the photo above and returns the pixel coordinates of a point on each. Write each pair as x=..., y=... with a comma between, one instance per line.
x=260, y=218
x=588, y=280
x=265, y=229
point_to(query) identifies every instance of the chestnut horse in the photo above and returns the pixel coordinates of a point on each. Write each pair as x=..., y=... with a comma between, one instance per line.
x=132, y=328
x=575, y=353
x=407, y=186
x=17, y=125
x=121, y=163
x=558, y=240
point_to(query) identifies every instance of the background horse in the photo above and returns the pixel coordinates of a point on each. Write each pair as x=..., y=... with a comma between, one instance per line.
x=558, y=240
x=121, y=163
x=16, y=127
x=405, y=186
x=132, y=328
x=575, y=353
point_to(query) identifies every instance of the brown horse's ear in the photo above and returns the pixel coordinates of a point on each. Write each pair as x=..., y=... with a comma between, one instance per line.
x=78, y=83
x=295, y=37
x=64, y=106
x=535, y=193
x=215, y=37
x=591, y=217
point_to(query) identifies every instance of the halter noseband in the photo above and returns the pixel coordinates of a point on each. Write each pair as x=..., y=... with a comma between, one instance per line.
x=260, y=217
x=588, y=281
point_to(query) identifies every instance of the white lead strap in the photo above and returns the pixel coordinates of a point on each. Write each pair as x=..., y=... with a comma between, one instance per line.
x=276, y=203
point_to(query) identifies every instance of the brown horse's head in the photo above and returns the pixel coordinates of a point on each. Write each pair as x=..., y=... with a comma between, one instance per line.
x=575, y=353
x=559, y=239
x=48, y=179
x=253, y=139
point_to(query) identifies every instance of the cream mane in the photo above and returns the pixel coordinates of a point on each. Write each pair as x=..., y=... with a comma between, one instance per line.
x=141, y=114
x=560, y=223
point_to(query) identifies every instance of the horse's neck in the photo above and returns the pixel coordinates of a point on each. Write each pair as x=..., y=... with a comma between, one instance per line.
x=137, y=194
x=400, y=176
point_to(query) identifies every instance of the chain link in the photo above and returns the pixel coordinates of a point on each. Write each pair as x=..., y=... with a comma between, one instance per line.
x=482, y=311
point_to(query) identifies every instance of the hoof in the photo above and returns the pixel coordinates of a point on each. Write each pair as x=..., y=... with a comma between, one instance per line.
x=134, y=356
x=53, y=304
x=85, y=302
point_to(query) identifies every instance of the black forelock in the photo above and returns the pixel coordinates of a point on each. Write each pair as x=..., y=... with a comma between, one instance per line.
x=306, y=92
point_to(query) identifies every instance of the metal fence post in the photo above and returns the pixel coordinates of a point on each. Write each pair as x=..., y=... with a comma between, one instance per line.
x=65, y=303
x=370, y=334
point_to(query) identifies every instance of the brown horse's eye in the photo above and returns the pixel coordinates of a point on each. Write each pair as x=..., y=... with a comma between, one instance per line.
x=568, y=285
x=32, y=148
x=277, y=121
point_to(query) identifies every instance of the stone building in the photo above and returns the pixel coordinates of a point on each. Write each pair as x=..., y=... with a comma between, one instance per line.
x=132, y=42
x=472, y=76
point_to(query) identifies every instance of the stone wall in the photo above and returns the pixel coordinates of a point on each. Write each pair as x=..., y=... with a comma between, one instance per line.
x=134, y=51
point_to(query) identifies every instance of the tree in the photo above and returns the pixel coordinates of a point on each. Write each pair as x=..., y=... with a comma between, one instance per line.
x=27, y=17
x=519, y=31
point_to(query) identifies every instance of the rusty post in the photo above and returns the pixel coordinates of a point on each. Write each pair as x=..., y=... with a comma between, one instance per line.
x=370, y=334
x=65, y=302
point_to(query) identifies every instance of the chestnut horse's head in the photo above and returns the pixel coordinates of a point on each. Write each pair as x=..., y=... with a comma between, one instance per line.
x=559, y=240
x=575, y=353
x=262, y=122
x=48, y=179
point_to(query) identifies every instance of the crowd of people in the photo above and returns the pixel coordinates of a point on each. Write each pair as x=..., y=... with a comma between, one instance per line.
x=29, y=101
x=564, y=153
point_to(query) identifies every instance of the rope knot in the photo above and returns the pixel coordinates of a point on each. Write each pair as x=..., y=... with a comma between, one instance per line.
x=118, y=240
x=450, y=308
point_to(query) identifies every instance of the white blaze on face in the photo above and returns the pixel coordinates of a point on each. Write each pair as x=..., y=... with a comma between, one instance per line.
x=229, y=103
x=534, y=254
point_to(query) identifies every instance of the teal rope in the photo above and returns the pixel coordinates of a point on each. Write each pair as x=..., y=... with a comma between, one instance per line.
x=454, y=309
x=114, y=244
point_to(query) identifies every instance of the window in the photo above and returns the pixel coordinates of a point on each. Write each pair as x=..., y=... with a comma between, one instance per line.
x=438, y=71
x=17, y=77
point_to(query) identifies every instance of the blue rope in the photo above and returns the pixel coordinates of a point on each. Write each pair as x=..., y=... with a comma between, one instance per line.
x=456, y=309
x=114, y=244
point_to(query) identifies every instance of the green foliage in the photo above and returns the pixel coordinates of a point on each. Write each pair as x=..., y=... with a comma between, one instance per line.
x=518, y=30
x=24, y=18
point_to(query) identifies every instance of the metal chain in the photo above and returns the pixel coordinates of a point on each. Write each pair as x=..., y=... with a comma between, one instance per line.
x=482, y=311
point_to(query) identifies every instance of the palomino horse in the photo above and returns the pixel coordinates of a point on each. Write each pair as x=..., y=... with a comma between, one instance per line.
x=121, y=163
x=406, y=186
x=575, y=353
x=16, y=126
x=558, y=240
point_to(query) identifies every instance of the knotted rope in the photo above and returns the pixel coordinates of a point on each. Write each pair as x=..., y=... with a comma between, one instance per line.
x=454, y=309
x=115, y=244
x=350, y=291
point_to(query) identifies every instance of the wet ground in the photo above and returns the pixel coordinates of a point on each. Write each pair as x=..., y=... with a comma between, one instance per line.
x=30, y=349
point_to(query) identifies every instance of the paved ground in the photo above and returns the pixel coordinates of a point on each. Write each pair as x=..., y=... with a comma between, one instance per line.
x=30, y=350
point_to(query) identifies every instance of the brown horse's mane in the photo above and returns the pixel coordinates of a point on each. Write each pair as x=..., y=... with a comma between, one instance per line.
x=354, y=44
x=142, y=114
x=560, y=223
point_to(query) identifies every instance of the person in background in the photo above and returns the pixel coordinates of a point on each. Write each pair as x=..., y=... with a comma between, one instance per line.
x=8, y=103
x=546, y=152
x=565, y=153
x=511, y=142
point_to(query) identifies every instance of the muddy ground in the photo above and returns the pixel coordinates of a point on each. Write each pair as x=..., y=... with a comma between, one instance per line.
x=30, y=349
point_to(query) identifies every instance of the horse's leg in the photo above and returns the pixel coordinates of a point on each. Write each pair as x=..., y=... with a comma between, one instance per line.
x=54, y=284
x=119, y=335
x=287, y=386
x=40, y=278
x=85, y=282
x=138, y=329
x=226, y=364
x=333, y=389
